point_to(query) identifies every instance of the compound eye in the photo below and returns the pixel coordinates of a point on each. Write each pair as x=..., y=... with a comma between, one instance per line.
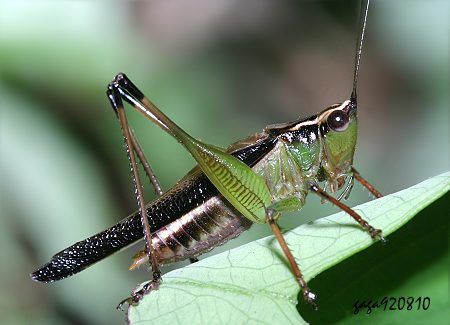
x=338, y=121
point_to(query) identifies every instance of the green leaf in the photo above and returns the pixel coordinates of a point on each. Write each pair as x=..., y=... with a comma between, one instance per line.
x=253, y=284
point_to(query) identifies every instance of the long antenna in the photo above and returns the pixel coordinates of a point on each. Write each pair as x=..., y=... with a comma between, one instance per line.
x=359, y=43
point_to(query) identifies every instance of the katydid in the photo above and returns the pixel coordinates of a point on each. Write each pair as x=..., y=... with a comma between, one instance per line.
x=255, y=180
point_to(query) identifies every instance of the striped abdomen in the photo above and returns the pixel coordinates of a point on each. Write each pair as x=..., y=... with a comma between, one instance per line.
x=213, y=223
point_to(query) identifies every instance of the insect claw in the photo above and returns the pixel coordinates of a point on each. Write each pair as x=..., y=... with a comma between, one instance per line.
x=383, y=240
x=128, y=301
x=375, y=233
x=310, y=298
x=139, y=293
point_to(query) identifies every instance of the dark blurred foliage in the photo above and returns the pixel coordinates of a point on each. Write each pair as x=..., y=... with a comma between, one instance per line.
x=222, y=70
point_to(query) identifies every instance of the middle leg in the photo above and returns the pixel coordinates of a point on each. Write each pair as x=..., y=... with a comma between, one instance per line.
x=309, y=296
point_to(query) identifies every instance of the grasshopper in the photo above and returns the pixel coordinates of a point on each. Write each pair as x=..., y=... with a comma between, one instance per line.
x=254, y=180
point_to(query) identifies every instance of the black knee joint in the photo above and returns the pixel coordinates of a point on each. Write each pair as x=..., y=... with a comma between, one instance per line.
x=125, y=83
x=114, y=96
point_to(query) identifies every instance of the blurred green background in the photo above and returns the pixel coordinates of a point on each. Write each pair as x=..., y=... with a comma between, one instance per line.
x=222, y=70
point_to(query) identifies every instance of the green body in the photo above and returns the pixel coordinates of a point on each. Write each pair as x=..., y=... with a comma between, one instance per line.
x=308, y=151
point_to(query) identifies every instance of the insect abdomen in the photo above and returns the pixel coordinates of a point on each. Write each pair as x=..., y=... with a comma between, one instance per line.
x=193, y=193
x=212, y=224
x=185, y=200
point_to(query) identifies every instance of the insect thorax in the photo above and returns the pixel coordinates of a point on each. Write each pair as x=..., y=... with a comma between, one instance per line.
x=291, y=165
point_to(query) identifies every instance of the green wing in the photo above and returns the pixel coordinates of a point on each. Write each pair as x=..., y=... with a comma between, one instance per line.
x=243, y=188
